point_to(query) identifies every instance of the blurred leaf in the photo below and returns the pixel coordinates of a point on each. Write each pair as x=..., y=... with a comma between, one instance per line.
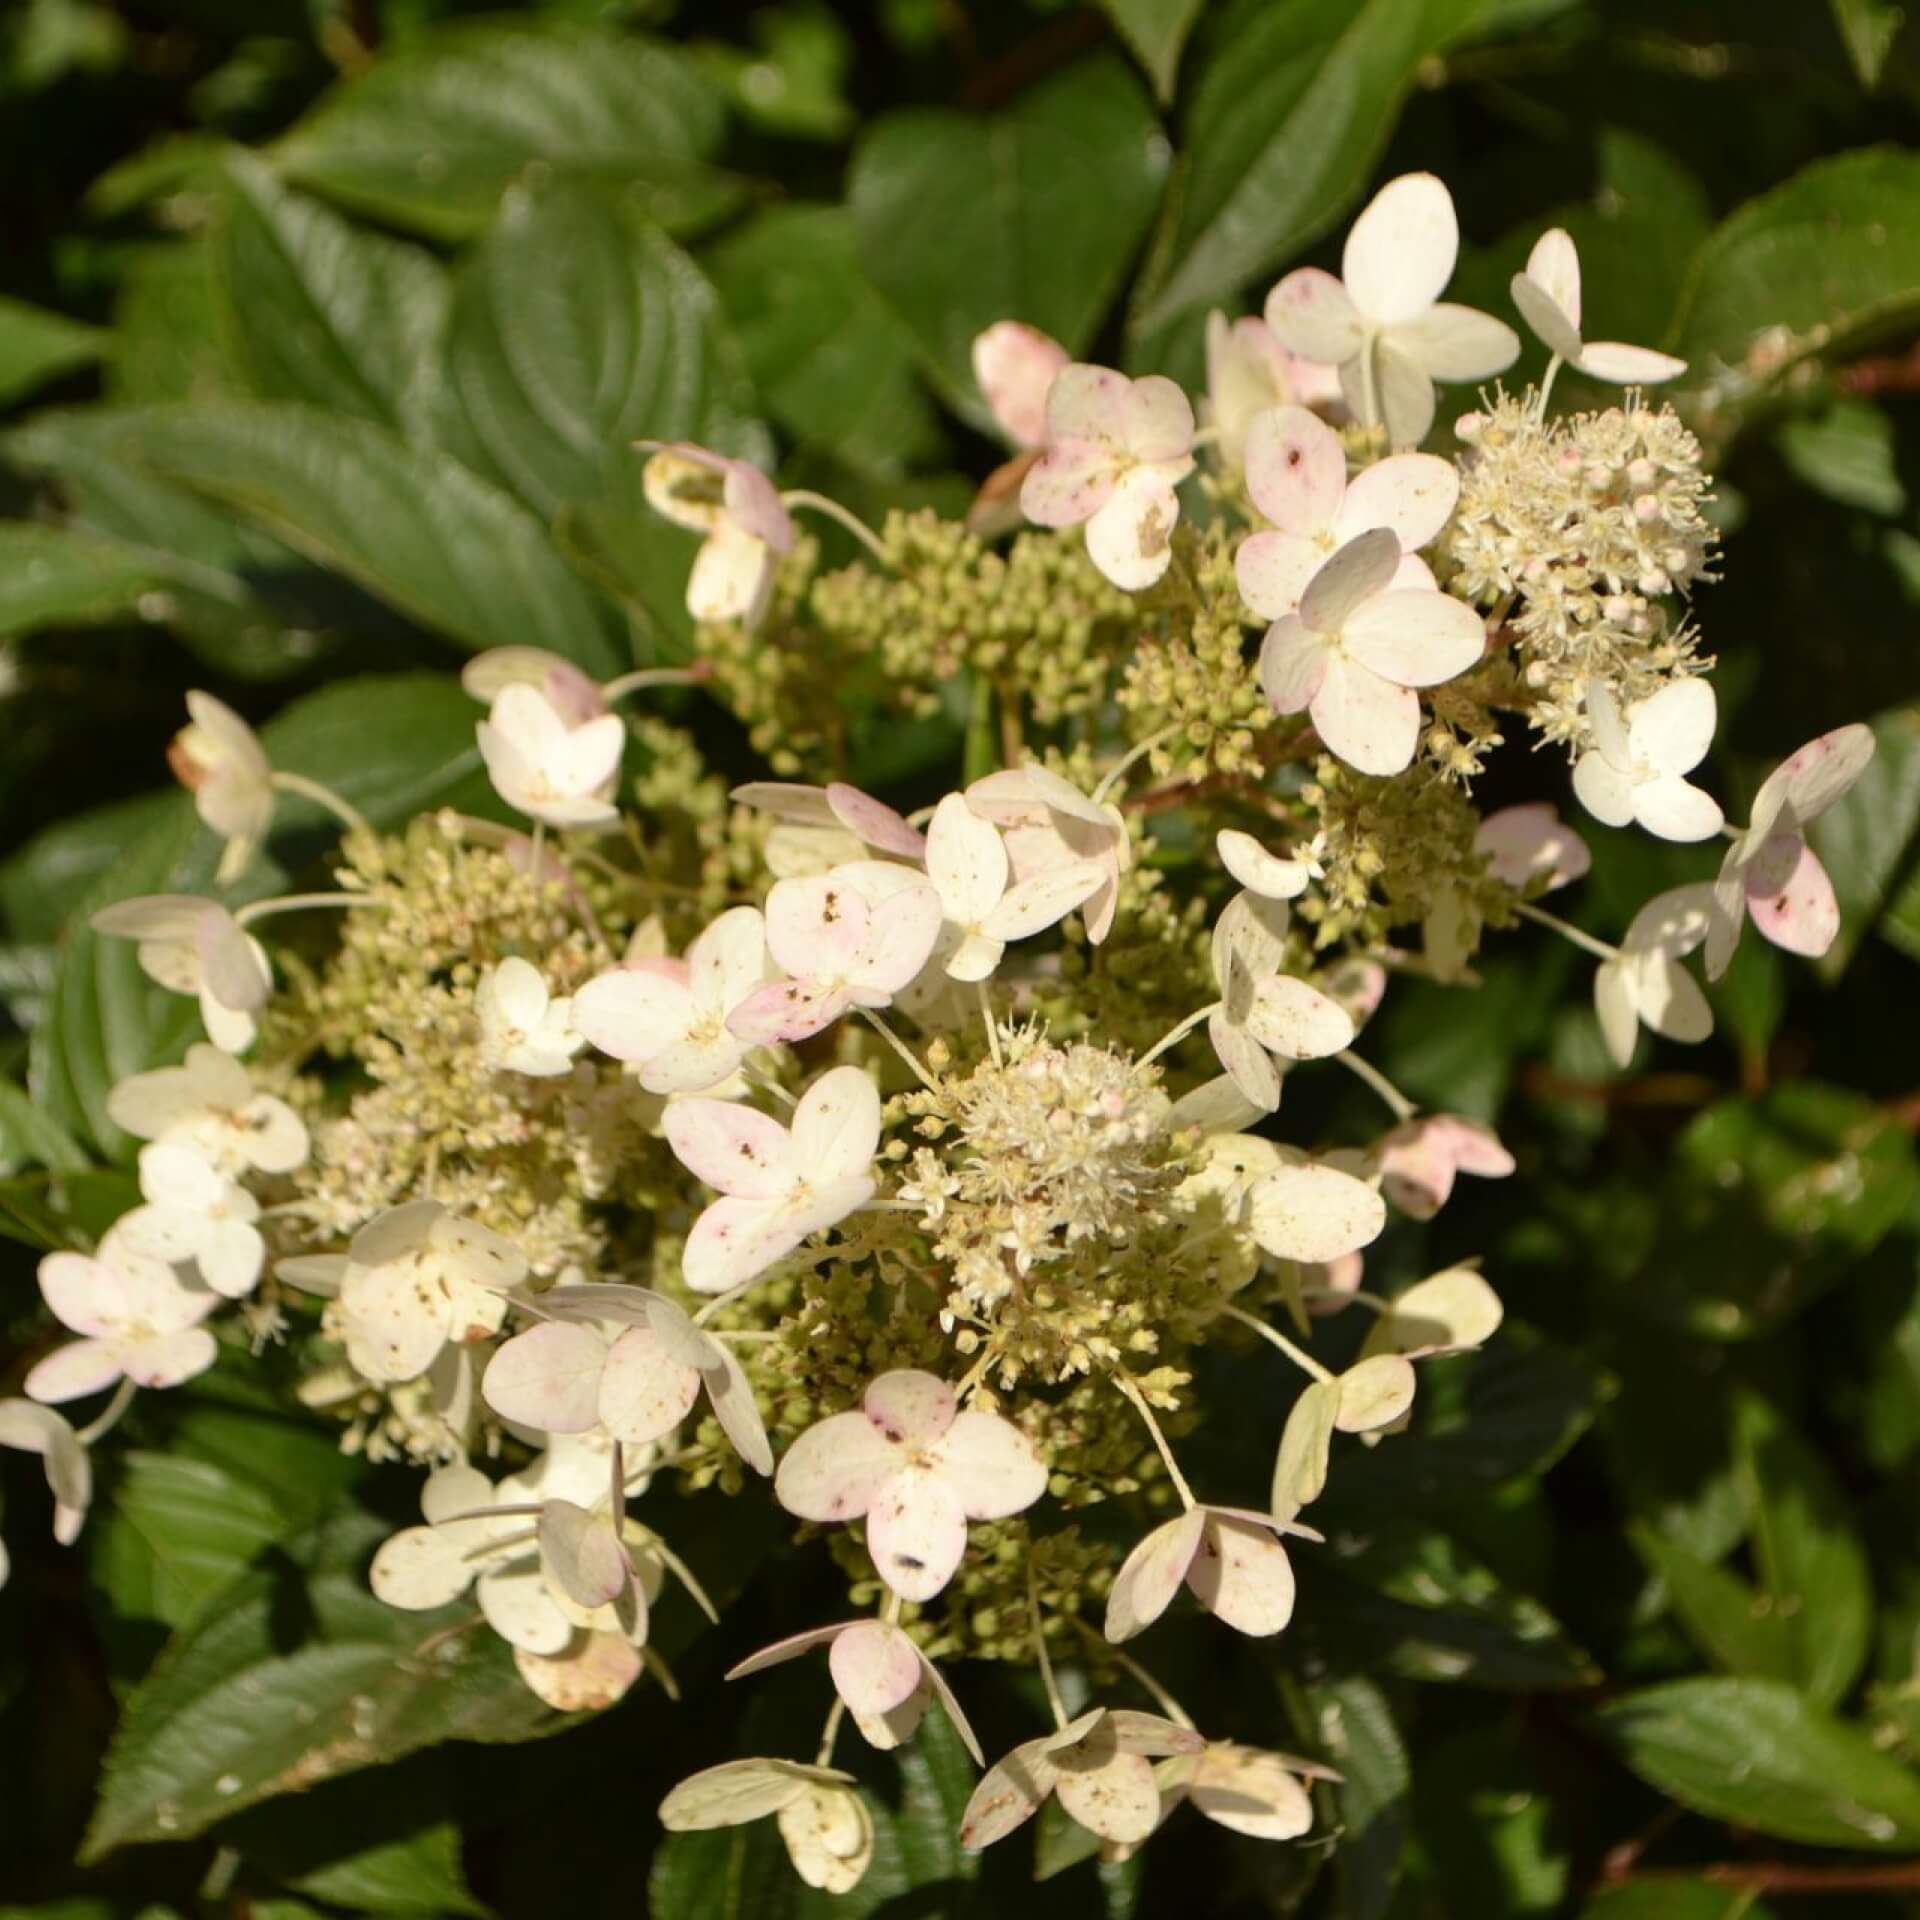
x=51, y=577
x=167, y=345
x=1756, y=1754
x=30, y=1138
x=1360, y=1738
x=1847, y=454
x=318, y=310
x=1865, y=838
x=724, y=1873
x=834, y=366
x=425, y=533
x=936, y=1781
x=1807, y=1550
x=36, y=347
x=1032, y=214
x=1667, y=1896
x=1493, y=1836
x=430, y=136
x=1156, y=30
x=1868, y=28
x=1737, y=1627
x=794, y=81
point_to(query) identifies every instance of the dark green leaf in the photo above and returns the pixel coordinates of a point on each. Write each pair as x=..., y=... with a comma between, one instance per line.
x=52, y=577
x=1665, y=1896
x=1030, y=215
x=1757, y=1754
x=31, y=1138
x=1493, y=1836
x=1847, y=454
x=1156, y=30
x=725, y=1873
x=1734, y=1625
x=166, y=342
x=1357, y=1726
x=36, y=347
x=430, y=137
x=1868, y=29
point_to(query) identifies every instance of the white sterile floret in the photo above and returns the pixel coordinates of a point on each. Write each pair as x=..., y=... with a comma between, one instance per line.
x=195, y=1214
x=1264, y=1012
x=1270, y=875
x=839, y=949
x=1770, y=871
x=1245, y=1789
x=218, y=758
x=1383, y=323
x=1248, y=372
x=825, y=1825
x=1548, y=296
x=668, y=1018
x=1637, y=766
x=1297, y=475
x=1644, y=984
x=546, y=766
x=1531, y=849
x=138, y=1320
x=740, y=511
x=780, y=1185
x=211, y=1105
x=1014, y=366
x=194, y=946
x=1098, y=1766
x=1358, y=646
x=1231, y=1561
x=523, y=1027
x=968, y=863
x=1065, y=850
x=566, y=1375
x=412, y=1280
x=881, y=1674
x=917, y=1470
x=1115, y=451
x=1420, y=1159
x=836, y=808
x=32, y=1428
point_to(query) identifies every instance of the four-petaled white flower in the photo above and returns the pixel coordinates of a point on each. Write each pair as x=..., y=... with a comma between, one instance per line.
x=1014, y=366
x=1249, y=371
x=210, y=1105
x=917, y=1470
x=1644, y=984
x=840, y=950
x=1271, y=876
x=1097, y=1766
x=195, y=1214
x=1770, y=871
x=218, y=758
x=1548, y=296
x=1358, y=646
x=195, y=946
x=1115, y=451
x=137, y=1320
x=1064, y=849
x=1637, y=766
x=823, y=1822
x=1264, y=1012
x=1297, y=475
x=412, y=1280
x=740, y=511
x=668, y=1018
x=546, y=766
x=779, y=1185
x=881, y=1674
x=1244, y=1789
x=523, y=1027
x=1383, y=324
x=1420, y=1159
x=1531, y=849
x=32, y=1428
x=1230, y=1560
x=566, y=1376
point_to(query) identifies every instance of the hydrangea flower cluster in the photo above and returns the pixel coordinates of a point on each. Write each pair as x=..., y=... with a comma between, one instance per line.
x=907, y=1164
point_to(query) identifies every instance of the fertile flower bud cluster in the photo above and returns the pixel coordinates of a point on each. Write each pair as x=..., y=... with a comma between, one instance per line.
x=902, y=1168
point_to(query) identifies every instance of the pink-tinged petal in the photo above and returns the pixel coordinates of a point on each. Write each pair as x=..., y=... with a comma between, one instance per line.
x=1010, y=1793
x=900, y=940
x=1151, y=1574
x=581, y=1553
x=875, y=1667
x=1811, y=779
x=1159, y=420
x=1457, y=343
x=548, y=1378
x=1042, y=899
x=1089, y=403
x=1068, y=484
x=1296, y=470
x=1274, y=570
x=1676, y=810
x=990, y=1465
x=731, y=1394
x=71, y=1372
x=816, y=926
x=804, y=806
x=1130, y=536
x=1311, y=314
x=1314, y=1213
x=1603, y=790
x=1402, y=393
x=909, y=1407
x=1371, y=724
x=1792, y=899
x=754, y=505
x=1416, y=639
x=646, y=1389
x=589, y=1678
x=1411, y=494
x=836, y=1127
x=1554, y=267
x=791, y=1648
x=1672, y=730
x=1015, y=366
x=1401, y=251
x=232, y=968
x=1241, y=1574
x=1531, y=842
x=167, y=1359
x=875, y=822
x=966, y=860
x=1290, y=1018
x=834, y=1470
x=738, y=1150
x=787, y=1010
x=1293, y=665
x=916, y=1533
x=1628, y=366
x=1111, y=1794
x=633, y=1014
x=85, y=1296
x=734, y=1241
x=1355, y=574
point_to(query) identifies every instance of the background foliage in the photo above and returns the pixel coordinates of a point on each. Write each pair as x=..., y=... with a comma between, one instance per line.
x=327, y=324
